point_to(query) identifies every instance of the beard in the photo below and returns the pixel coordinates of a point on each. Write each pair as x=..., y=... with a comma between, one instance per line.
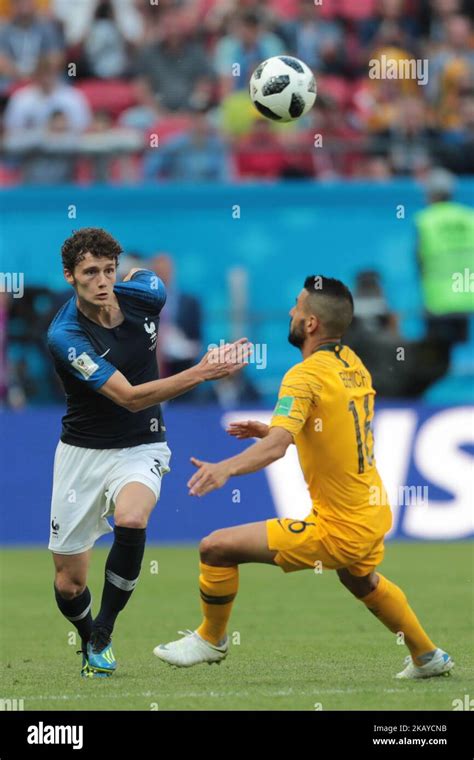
x=296, y=335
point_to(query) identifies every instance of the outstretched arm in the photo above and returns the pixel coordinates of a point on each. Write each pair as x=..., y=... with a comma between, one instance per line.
x=211, y=476
x=217, y=363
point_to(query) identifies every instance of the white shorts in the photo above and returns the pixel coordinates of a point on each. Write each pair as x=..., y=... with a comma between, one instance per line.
x=86, y=484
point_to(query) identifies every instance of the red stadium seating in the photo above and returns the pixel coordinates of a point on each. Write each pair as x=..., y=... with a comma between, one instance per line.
x=113, y=96
x=356, y=9
x=169, y=126
x=348, y=9
x=335, y=87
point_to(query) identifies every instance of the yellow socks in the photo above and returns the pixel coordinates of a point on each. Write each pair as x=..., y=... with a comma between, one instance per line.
x=218, y=588
x=390, y=605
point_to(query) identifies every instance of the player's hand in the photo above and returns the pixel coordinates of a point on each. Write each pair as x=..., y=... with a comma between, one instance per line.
x=248, y=429
x=225, y=360
x=208, y=478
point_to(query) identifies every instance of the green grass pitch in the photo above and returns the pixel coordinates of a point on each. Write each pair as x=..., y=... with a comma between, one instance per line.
x=299, y=641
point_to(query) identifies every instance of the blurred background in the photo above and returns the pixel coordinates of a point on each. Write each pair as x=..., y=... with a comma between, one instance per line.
x=134, y=116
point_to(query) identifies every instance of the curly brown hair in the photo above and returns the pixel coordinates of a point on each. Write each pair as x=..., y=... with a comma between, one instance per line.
x=92, y=240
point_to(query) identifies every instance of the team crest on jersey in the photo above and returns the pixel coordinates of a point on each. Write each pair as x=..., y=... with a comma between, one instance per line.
x=150, y=328
x=85, y=365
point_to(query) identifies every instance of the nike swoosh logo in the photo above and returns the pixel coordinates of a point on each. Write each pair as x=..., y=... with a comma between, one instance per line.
x=102, y=355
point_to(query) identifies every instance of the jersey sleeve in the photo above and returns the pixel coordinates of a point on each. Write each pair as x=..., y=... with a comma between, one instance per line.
x=295, y=400
x=147, y=288
x=74, y=353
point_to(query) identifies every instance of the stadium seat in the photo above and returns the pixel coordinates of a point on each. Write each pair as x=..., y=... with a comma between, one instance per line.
x=169, y=126
x=113, y=96
x=9, y=175
x=335, y=87
x=354, y=11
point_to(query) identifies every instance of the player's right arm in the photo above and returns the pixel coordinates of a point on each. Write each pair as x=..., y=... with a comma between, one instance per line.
x=215, y=364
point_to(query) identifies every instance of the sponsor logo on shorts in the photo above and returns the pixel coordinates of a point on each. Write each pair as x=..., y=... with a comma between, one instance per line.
x=54, y=528
x=157, y=468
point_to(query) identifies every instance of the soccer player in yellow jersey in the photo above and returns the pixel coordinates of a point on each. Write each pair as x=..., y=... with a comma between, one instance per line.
x=325, y=407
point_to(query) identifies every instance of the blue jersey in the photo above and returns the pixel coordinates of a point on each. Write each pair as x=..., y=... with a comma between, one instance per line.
x=86, y=354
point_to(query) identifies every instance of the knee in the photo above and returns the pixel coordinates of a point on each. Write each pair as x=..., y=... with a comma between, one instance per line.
x=134, y=520
x=68, y=586
x=212, y=548
x=358, y=586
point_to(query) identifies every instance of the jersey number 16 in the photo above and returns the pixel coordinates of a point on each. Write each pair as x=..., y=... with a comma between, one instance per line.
x=365, y=447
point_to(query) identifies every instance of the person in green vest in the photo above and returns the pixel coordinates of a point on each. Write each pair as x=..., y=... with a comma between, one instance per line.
x=445, y=253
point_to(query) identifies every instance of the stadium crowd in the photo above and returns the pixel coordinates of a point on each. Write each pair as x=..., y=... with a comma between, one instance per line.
x=133, y=90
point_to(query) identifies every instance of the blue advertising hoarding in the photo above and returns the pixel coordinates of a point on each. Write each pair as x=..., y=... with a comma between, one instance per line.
x=425, y=456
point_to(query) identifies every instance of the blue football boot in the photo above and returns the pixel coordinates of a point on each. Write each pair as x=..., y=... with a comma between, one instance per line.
x=101, y=659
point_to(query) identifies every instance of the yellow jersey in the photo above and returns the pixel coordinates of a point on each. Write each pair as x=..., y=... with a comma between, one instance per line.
x=326, y=402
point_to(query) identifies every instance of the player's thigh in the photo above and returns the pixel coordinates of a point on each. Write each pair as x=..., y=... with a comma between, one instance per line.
x=360, y=576
x=134, y=485
x=133, y=505
x=71, y=570
x=300, y=544
x=237, y=545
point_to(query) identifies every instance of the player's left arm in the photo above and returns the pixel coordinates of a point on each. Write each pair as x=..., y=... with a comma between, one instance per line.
x=146, y=287
x=262, y=453
x=132, y=272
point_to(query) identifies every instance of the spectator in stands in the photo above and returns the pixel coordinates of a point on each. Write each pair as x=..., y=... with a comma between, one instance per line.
x=374, y=168
x=445, y=252
x=457, y=150
x=319, y=42
x=198, y=155
x=180, y=340
x=341, y=146
x=25, y=39
x=439, y=13
x=7, y=7
x=32, y=106
x=410, y=142
x=176, y=65
x=258, y=154
x=452, y=70
x=239, y=53
x=391, y=14
x=105, y=31
x=146, y=111
x=48, y=155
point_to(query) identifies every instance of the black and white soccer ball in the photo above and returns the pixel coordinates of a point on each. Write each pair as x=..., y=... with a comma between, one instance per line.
x=283, y=88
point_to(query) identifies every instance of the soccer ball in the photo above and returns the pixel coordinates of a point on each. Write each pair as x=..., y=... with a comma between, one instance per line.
x=283, y=88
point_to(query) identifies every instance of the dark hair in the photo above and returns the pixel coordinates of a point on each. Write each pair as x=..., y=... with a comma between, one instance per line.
x=331, y=301
x=250, y=18
x=92, y=240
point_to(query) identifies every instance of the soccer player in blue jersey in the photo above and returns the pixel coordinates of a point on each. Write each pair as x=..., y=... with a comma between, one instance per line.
x=113, y=452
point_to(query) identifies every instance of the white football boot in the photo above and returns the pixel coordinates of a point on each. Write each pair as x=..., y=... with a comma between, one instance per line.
x=439, y=665
x=191, y=650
